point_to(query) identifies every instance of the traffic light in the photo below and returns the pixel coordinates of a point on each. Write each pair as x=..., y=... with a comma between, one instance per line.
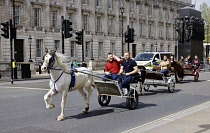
x=79, y=37
x=5, y=29
x=67, y=28
x=131, y=35
x=127, y=37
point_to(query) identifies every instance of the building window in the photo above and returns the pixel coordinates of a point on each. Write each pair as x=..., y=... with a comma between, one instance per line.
x=161, y=47
x=37, y=18
x=17, y=15
x=112, y=48
x=71, y=1
x=149, y=10
x=100, y=50
x=73, y=49
x=110, y=4
x=98, y=24
x=140, y=9
x=56, y=44
x=160, y=31
x=39, y=43
x=167, y=32
x=169, y=48
x=150, y=30
x=131, y=6
x=85, y=2
x=98, y=3
x=160, y=13
x=110, y=30
x=85, y=22
x=88, y=50
x=132, y=24
x=54, y=19
x=141, y=29
x=143, y=47
x=167, y=14
x=151, y=47
x=125, y=47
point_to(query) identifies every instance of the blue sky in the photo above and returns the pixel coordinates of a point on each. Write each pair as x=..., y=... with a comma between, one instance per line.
x=198, y=2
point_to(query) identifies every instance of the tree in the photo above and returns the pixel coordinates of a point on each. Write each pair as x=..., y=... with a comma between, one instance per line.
x=205, y=12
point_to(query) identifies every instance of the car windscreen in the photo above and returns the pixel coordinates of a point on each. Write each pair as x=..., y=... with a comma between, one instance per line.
x=144, y=57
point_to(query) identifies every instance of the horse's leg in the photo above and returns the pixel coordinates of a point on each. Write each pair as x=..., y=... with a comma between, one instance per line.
x=176, y=77
x=63, y=103
x=90, y=91
x=84, y=95
x=141, y=87
x=48, y=104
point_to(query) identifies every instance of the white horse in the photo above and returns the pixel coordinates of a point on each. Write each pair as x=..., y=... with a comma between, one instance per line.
x=64, y=80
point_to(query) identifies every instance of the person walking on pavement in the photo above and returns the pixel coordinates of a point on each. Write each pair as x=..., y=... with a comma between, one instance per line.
x=75, y=64
x=112, y=67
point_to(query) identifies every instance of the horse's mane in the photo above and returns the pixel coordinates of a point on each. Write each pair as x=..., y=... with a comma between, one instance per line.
x=61, y=59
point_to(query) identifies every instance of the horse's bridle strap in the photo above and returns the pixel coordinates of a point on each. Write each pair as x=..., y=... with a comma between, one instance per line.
x=56, y=81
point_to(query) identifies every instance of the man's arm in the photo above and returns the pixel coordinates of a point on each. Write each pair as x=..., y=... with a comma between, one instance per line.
x=117, y=58
x=121, y=70
x=133, y=72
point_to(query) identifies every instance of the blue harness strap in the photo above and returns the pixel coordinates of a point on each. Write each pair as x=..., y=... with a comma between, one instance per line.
x=73, y=80
x=56, y=81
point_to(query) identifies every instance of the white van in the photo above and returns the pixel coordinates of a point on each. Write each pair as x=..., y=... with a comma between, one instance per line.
x=149, y=59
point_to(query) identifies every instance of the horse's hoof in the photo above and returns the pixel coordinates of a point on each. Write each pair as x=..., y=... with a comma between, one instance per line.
x=51, y=106
x=84, y=112
x=60, y=118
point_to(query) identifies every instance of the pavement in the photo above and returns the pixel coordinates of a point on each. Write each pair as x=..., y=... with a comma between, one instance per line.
x=192, y=120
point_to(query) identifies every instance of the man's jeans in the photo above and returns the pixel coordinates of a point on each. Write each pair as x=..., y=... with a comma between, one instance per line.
x=124, y=81
x=195, y=68
x=110, y=76
x=164, y=71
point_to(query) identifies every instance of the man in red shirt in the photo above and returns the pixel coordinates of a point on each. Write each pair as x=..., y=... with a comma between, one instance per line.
x=112, y=67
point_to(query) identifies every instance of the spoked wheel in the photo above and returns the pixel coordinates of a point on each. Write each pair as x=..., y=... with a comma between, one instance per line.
x=132, y=100
x=196, y=77
x=171, y=86
x=104, y=100
x=146, y=87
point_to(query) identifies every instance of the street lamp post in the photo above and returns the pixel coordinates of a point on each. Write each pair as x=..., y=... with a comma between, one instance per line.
x=122, y=10
x=156, y=46
x=29, y=41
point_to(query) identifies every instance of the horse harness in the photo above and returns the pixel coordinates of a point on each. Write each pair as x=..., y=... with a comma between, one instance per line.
x=72, y=83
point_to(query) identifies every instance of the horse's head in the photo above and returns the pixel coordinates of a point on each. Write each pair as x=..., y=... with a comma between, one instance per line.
x=49, y=61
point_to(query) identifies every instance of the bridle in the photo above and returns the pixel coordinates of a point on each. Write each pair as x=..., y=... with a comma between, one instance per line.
x=51, y=62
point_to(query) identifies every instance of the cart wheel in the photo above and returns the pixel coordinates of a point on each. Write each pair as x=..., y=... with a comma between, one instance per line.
x=104, y=100
x=146, y=87
x=196, y=77
x=132, y=101
x=171, y=86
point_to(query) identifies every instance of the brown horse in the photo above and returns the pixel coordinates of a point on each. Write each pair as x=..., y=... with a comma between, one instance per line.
x=177, y=68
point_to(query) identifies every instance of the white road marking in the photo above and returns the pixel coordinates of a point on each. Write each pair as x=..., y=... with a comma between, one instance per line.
x=169, y=117
x=26, y=88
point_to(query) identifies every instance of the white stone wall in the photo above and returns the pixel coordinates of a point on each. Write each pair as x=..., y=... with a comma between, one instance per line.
x=64, y=7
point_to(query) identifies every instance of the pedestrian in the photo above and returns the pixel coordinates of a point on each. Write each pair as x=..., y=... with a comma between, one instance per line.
x=182, y=59
x=164, y=66
x=75, y=64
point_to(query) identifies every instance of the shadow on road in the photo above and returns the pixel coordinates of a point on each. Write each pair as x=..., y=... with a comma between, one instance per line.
x=91, y=114
x=190, y=81
x=205, y=127
x=156, y=91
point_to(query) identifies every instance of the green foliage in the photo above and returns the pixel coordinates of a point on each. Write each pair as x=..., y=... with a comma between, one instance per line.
x=205, y=12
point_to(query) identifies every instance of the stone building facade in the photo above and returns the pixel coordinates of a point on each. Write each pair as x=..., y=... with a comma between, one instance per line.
x=153, y=21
